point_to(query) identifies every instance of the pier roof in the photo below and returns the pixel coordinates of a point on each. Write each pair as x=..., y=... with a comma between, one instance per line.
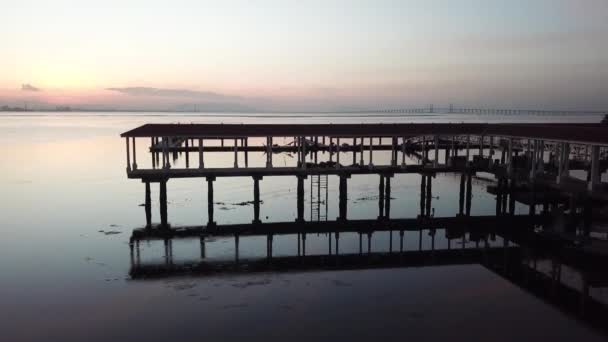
x=568, y=132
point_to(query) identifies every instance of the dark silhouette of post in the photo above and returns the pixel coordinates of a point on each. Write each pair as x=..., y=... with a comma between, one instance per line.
x=148, y=206
x=210, y=221
x=343, y=197
x=300, y=199
x=163, y=203
x=256, y=199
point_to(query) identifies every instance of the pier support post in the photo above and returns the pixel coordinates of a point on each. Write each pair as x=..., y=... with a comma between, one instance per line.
x=163, y=203
x=236, y=248
x=269, y=152
x=300, y=199
x=210, y=181
x=202, y=243
x=533, y=160
x=429, y=195
x=337, y=236
x=371, y=159
x=337, y=152
x=134, y=155
x=436, y=157
x=343, y=197
x=461, y=195
x=387, y=197
x=201, y=161
x=594, y=178
x=236, y=153
x=403, y=152
x=422, y=195
x=256, y=199
x=354, y=151
x=245, y=142
x=381, y=198
x=361, y=161
x=469, y=193
x=148, y=206
x=128, y=154
x=187, y=144
x=468, y=152
x=510, y=159
x=303, y=139
x=394, y=152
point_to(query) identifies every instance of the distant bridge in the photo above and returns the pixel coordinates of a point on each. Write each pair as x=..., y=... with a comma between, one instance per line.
x=488, y=111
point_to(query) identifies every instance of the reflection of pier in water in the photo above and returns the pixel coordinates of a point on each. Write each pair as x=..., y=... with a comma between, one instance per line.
x=513, y=255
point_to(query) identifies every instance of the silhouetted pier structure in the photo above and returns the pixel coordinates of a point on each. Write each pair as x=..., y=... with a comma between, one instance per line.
x=539, y=156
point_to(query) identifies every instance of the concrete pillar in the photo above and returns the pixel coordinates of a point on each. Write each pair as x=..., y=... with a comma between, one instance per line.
x=381, y=198
x=128, y=155
x=187, y=143
x=436, y=157
x=246, y=143
x=469, y=194
x=210, y=181
x=236, y=248
x=303, y=152
x=533, y=157
x=153, y=153
x=202, y=242
x=387, y=197
x=461, y=194
x=510, y=159
x=361, y=162
x=422, y=195
x=134, y=155
x=256, y=199
x=403, y=152
x=236, y=153
x=343, y=197
x=337, y=236
x=481, y=146
x=429, y=186
x=163, y=203
x=300, y=198
x=201, y=160
x=148, y=206
x=394, y=151
x=468, y=152
x=453, y=149
x=337, y=152
x=354, y=151
x=371, y=161
x=269, y=152
x=594, y=180
x=541, y=157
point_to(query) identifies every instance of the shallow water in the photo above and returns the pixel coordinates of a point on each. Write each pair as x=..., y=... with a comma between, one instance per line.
x=68, y=210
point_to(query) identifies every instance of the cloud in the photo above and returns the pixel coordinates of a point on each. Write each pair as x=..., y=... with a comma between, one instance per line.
x=164, y=92
x=29, y=87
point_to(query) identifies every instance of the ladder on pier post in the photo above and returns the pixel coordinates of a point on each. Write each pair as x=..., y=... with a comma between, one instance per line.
x=318, y=197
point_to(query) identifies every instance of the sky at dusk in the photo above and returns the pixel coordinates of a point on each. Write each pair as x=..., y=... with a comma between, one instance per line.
x=304, y=55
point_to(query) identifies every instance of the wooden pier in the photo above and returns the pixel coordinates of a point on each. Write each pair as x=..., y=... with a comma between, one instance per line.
x=540, y=156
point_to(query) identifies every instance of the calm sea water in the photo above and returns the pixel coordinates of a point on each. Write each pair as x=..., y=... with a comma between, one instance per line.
x=64, y=186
